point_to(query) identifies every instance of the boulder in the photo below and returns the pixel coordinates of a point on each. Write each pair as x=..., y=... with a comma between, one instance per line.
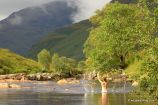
x=18, y=76
x=14, y=86
x=4, y=85
x=31, y=77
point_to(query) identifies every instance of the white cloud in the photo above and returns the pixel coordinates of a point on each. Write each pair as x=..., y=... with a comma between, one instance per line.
x=87, y=8
x=2, y=17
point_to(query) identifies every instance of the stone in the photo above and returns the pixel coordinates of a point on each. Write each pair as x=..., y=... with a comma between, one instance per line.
x=67, y=81
x=14, y=86
x=7, y=85
x=4, y=85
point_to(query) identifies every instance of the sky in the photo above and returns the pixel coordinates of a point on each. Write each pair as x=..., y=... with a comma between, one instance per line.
x=86, y=8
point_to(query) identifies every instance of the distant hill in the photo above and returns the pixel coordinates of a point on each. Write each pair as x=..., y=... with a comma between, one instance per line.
x=13, y=63
x=67, y=41
x=23, y=28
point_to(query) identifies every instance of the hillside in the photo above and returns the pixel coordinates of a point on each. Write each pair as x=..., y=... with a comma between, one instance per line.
x=67, y=41
x=13, y=63
x=23, y=28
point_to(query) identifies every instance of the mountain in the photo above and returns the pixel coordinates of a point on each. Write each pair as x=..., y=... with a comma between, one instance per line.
x=13, y=63
x=23, y=28
x=67, y=41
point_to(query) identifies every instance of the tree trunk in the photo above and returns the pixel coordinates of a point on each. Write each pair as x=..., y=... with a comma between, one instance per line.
x=123, y=62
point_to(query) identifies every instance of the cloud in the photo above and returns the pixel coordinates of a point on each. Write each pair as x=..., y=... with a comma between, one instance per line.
x=87, y=8
x=16, y=20
x=9, y=6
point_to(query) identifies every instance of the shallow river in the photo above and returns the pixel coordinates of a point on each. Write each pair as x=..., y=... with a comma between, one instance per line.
x=49, y=93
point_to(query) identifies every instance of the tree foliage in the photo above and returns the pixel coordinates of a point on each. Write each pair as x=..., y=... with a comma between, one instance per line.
x=44, y=59
x=121, y=36
x=120, y=30
x=63, y=65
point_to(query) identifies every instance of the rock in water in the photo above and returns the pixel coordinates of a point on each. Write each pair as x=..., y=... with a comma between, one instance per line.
x=4, y=85
x=14, y=86
x=68, y=81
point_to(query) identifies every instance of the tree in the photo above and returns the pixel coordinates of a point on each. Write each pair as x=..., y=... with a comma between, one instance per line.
x=44, y=59
x=56, y=65
x=148, y=77
x=63, y=65
x=119, y=31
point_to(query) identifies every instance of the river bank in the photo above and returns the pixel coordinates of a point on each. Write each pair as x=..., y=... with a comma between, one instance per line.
x=15, y=80
x=22, y=77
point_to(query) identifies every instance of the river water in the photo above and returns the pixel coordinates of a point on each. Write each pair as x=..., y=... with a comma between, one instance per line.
x=50, y=93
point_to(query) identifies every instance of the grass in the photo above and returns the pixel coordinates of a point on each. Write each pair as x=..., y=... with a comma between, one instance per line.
x=13, y=63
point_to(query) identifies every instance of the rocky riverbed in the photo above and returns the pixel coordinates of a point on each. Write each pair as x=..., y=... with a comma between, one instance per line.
x=33, y=77
x=14, y=80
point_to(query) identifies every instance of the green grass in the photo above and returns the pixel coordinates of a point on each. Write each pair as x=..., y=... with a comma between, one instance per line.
x=13, y=63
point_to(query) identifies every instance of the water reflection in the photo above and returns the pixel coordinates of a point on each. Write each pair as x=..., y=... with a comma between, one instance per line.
x=104, y=99
x=46, y=95
x=112, y=99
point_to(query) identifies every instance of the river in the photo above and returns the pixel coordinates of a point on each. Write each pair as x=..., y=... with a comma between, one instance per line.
x=50, y=93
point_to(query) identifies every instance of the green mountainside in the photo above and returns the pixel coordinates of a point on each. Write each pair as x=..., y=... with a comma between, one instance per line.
x=67, y=41
x=13, y=63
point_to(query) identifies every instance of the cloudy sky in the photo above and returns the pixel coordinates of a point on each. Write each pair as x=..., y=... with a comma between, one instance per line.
x=86, y=7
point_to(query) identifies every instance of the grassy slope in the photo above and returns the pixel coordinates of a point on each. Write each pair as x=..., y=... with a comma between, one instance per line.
x=67, y=41
x=13, y=63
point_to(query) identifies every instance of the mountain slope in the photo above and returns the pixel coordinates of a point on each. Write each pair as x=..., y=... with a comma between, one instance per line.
x=13, y=63
x=67, y=41
x=23, y=28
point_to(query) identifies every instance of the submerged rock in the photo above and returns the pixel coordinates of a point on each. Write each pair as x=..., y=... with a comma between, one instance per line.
x=68, y=81
x=4, y=85
x=7, y=85
x=14, y=86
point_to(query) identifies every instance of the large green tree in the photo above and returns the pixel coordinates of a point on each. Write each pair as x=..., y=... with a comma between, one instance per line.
x=120, y=31
x=123, y=32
